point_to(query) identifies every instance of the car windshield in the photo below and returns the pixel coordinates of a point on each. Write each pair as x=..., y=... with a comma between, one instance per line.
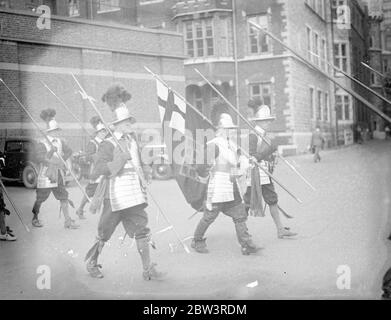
x=14, y=146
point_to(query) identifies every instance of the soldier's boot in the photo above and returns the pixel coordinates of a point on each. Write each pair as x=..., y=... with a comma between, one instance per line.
x=199, y=242
x=36, y=222
x=80, y=210
x=69, y=223
x=285, y=233
x=93, y=267
x=149, y=269
x=199, y=245
x=244, y=238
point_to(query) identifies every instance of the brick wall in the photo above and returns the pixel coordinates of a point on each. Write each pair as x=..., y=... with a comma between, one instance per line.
x=97, y=54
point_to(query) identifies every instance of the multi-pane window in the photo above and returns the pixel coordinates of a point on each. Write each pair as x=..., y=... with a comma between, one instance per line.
x=326, y=110
x=388, y=42
x=107, y=5
x=343, y=107
x=309, y=43
x=73, y=8
x=341, y=56
x=323, y=56
x=263, y=91
x=258, y=40
x=199, y=38
x=319, y=106
x=312, y=103
x=226, y=37
x=315, y=48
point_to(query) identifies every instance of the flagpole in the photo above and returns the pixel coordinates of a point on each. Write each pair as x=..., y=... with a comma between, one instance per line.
x=254, y=130
x=214, y=127
x=47, y=139
x=123, y=151
x=352, y=93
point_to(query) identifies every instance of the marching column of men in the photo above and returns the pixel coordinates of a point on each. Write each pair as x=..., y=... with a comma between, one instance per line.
x=118, y=180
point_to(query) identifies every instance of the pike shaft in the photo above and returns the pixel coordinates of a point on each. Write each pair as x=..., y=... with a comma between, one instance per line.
x=253, y=129
x=47, y=139
x=123, y=150
x=210, y=122
x=351, y=92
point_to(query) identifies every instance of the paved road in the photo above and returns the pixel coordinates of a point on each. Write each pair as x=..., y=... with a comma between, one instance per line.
x=343, y=223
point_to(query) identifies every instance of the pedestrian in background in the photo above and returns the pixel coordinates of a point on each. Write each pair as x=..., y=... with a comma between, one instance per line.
x=317, y=143
x=388, y=132
x=359, y=135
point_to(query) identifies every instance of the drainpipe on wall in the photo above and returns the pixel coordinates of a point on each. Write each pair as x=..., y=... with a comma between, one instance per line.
x=235, y=48
x=334, y=86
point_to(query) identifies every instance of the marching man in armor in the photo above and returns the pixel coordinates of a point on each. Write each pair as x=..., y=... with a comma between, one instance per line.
x=262, y=154
x=91, y=157
x=223, y=190
x=124, y=199
x=51, y=176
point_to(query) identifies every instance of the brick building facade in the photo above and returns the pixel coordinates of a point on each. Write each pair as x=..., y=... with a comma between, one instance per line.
x=97, y=52
x=300, y=97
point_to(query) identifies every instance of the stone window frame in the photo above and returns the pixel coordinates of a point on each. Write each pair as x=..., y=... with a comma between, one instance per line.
x=326, y=111
x=74, y=3
x=343, y=118
x=312, y=97
x=339, y=57
x=262, y=84
x=319, y=106
x=259, y=52
x=204, y=38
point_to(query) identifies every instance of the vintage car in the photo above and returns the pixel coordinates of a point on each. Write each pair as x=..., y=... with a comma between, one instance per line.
x=18, y=161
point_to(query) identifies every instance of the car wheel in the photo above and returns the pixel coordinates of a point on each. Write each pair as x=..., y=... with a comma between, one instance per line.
x=30, y=177
x=161, y=171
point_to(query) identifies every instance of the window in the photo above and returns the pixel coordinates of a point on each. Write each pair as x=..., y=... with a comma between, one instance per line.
x=263, y=91
x=319, y=111
x=199, y=38
x=309, y=43
x=385, y=65
x=73, y=8
x=312, y=103
x=375, y=79
x=14, y=146
x=315, y=48
x=323, y=55
x=107, y=5
x=388, y=42
x=341, y=56
x=259, y=42
x=343, y=107
x=326, y=110
x=226, y=37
